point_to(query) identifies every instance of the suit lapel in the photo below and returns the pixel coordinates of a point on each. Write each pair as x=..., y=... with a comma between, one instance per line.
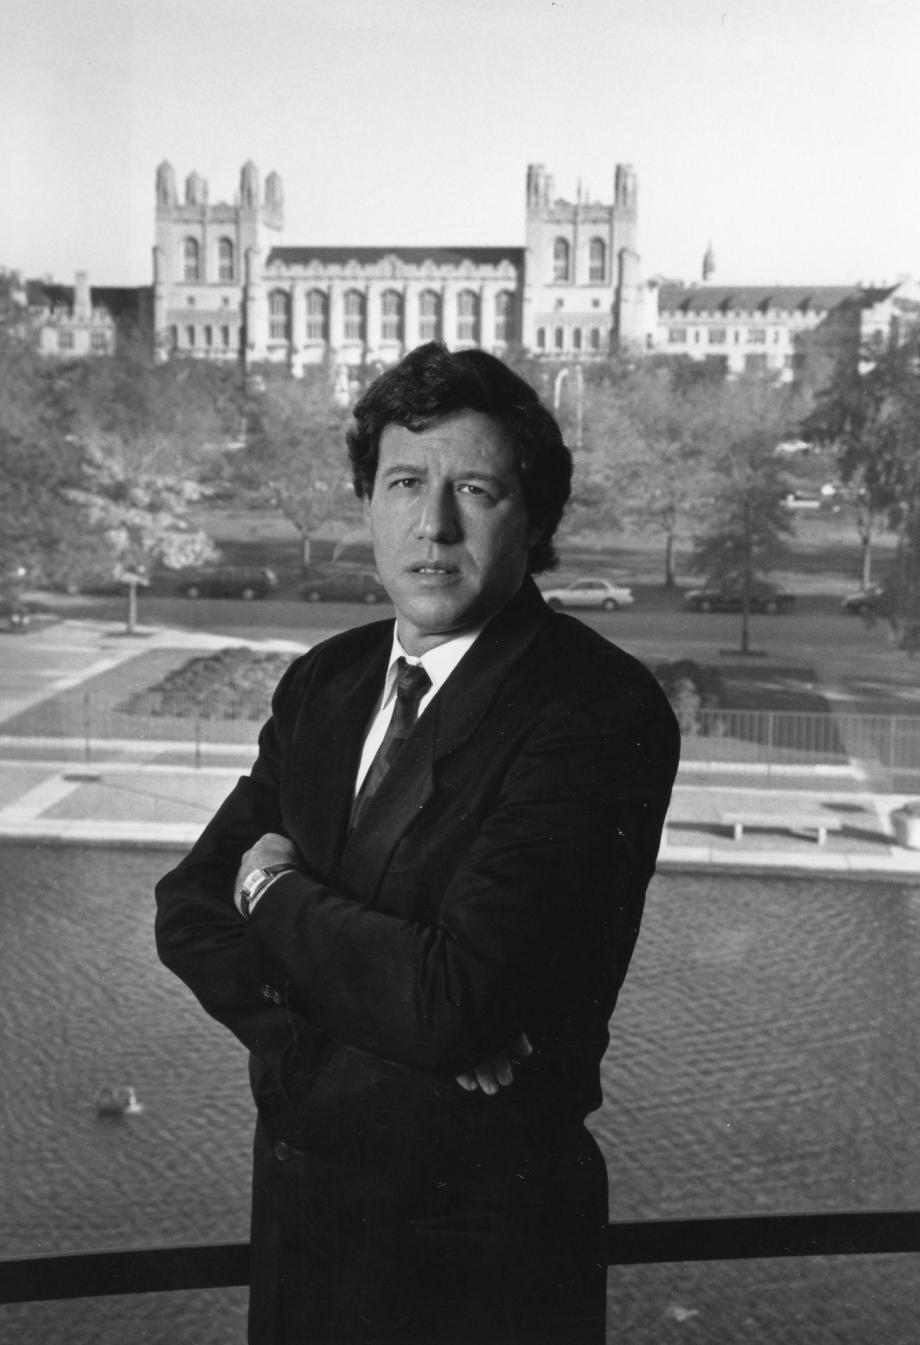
x=448, y=722
x=329, y=738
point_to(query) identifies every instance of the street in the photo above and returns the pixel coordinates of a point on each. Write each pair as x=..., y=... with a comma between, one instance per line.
x=822, y=645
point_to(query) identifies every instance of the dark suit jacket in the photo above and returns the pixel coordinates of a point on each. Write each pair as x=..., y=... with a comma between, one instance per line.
x=493, y=886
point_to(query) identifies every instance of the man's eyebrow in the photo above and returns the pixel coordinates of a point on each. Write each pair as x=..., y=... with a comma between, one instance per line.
x=404, y=469
x=397, y=469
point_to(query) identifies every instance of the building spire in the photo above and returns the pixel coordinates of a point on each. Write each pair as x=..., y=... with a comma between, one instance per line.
x=709, y=263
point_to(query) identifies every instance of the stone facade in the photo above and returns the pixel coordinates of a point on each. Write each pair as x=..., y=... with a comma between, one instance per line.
x=793, y=332
x=226, y=288
x=72, y=321
x=582, y=294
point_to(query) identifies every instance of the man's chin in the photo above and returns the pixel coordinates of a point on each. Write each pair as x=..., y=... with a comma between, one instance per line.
x=436, y=615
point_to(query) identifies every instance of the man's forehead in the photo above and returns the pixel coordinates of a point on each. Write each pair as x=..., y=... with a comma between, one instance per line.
x=472, y=431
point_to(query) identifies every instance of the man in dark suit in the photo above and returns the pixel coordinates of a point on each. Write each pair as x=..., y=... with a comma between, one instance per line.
x=418, y=908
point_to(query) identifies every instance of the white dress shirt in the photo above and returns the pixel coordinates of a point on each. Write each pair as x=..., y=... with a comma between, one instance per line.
x=438, y=663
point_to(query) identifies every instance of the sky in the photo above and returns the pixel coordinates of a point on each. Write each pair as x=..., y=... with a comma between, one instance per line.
x=786, y=132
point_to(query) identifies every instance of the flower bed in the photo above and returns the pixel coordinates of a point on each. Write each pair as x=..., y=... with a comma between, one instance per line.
x=232, y=683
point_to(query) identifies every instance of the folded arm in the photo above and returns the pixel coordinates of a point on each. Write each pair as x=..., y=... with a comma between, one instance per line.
x=546, y=903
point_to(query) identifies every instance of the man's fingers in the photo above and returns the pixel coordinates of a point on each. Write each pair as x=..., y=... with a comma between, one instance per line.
x=498, y=1071
x=485, y=1078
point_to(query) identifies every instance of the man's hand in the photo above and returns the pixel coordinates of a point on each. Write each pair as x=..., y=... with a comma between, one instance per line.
x=272, y=848
x=498, y=1071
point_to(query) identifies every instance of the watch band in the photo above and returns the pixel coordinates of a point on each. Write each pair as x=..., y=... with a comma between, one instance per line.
x=256, y=883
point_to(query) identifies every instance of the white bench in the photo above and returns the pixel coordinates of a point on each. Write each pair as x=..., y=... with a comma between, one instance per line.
x=800, y=820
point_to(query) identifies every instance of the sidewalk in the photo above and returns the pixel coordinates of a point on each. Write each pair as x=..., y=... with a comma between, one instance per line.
x=148, y=794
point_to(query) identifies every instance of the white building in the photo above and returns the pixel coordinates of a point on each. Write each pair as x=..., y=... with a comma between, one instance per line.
x=226, y=287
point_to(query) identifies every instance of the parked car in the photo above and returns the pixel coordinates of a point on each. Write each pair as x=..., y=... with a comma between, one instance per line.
x=228, y=581
x=864, y=600
x=590, y=593
x=344, y=586
x=763, y=597
x=14, y=615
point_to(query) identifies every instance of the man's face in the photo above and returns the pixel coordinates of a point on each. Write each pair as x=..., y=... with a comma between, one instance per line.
x=449, y=525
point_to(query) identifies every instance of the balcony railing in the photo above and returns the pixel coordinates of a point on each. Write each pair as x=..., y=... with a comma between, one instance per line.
x=224, y=1265
x=93, y=726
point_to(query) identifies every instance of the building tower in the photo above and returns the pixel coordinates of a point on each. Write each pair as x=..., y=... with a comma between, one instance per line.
x=203, y=255
x=709, y=264
x=582, y=294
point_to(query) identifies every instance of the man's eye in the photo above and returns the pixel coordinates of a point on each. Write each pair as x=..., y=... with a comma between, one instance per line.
x=404, y=483
x=470, y=488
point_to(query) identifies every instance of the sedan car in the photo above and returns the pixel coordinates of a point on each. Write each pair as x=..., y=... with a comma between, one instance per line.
x=229, y=581
x=865, y=600
x=344, y=586
x=14, y=615
x=590, y=593
x=763, y=597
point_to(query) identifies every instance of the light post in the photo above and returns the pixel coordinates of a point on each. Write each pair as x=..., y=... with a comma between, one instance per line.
x=561, y=377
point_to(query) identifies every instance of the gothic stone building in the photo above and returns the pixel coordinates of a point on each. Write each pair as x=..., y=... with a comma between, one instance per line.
x=226, y=287
x=795, y=332
x=72, y=321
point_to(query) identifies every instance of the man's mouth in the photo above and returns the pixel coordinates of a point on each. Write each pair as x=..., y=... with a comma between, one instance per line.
x=433, y=568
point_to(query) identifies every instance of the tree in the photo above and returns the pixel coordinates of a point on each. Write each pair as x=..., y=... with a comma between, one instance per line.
x=746, y=523
x=148, y=433
x=40, y=531
x=871, y=416
x=99, y=458
x=296, y=451
x=662, y=469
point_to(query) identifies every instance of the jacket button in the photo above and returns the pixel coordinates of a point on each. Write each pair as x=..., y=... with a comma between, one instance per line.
x=281, y=1150
x=270, y=993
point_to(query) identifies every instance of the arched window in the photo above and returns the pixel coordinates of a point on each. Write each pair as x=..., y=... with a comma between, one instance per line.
x=561, y=259
x=504, y=316
x=317, y=316
x=467, y=316
x=279, y=316
x=597, y=261
x=558, y=337
x=541, y=338
x=595, y=338
x=429, y=316
x=354, y=316
x=190, y=263
x=391, y=310
x=576, y=338
x=225, y=259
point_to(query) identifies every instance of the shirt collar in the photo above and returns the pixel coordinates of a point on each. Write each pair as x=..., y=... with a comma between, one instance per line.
x=438, y=663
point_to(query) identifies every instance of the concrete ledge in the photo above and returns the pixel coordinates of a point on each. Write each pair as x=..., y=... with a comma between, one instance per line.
x=82, y=831
x=821, y=770
x=894, y=864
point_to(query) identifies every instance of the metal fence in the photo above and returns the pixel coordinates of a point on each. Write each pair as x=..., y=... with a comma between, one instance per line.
x=886, y=743
x=93, y=726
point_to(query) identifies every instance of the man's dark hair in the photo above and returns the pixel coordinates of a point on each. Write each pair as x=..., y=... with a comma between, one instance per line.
x=432, y=383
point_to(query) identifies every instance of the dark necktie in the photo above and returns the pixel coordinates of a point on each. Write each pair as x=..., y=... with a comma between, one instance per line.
x=412, y=682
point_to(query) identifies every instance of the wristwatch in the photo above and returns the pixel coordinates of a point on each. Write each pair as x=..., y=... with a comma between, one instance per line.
x=254, y=884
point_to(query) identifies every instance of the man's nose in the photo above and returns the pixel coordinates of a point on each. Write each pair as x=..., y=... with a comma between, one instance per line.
x=439, y=519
